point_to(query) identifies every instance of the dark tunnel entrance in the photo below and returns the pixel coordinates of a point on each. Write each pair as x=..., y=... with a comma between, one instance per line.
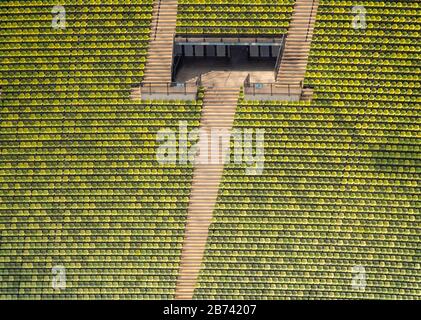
x=194, y=58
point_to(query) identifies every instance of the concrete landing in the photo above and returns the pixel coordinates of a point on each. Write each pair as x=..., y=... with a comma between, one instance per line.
x=224, y=71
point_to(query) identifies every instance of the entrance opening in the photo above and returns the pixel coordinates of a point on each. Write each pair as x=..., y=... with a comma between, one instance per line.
x=221, y=60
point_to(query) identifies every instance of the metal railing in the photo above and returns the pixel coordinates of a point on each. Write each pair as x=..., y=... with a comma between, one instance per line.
x=169, y=88
x=157, y=19
x=272, y=89
x=176, y=59
x=223, y=37
x=280, y=56
x=223, y=31
x=199, y=81
x=247, y=81
x=309, y=20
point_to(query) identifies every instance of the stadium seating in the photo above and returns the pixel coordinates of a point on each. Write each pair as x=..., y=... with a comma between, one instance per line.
x=80, y=186
x=239, y=17
x=340, y=185
x=79, y=183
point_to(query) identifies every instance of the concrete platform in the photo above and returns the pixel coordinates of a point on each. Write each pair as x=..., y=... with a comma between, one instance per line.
x=220, y=72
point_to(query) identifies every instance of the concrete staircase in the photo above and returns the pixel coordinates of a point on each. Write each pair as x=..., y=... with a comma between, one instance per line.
x=219, y=106
x=135, y=94
x=218, y=112
x=160, y=51
x=297, y=47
